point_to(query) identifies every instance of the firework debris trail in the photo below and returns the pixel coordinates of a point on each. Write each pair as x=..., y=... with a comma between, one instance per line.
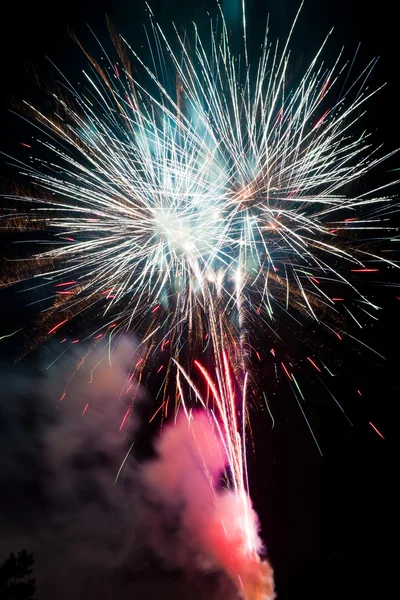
x=195, y=209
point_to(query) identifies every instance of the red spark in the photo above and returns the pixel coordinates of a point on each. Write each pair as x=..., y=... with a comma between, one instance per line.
x=64, y=284
x=338, y=335
x=337, y=299
x=258, y=356
x=377, y=430
x=64, y=340
x=62, y=397
x=26, y=145
x=156, y=413
x=129, y=388
x=160, y=369
x=116, y=70
x=364, y=270
x=314, y=279
x=324, y=88
x=350, y=219
x=272, y=352
x=70, y=239
x=359, y=393
x=75, y=342
x=139, y=362
x=321, y=119
x=85, y=409
x=57, y=327
x=155, y=308
x=313, y=364
x=98, y=336
x=125, y=417
x=286, y=371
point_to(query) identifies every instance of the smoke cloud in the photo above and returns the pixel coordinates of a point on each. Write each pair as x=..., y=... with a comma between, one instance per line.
x=167, y=527
x=215, y=523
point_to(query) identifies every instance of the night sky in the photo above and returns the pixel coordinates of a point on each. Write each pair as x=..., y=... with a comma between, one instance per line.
x=328, y=522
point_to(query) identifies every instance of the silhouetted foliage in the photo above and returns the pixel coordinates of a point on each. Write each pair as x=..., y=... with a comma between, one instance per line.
x=13, y=585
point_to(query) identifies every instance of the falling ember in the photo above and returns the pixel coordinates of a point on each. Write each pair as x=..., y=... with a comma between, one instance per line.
x=57, y=327
x=125, y=417
x=85, y=409
x=364, y=270
x=377, y=431
x=313, y=364
x=286, y=371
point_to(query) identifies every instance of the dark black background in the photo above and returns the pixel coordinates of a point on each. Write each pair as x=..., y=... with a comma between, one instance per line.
x=328, y=521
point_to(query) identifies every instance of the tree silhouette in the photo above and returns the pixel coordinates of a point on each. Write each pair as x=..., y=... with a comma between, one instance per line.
x=12, y=574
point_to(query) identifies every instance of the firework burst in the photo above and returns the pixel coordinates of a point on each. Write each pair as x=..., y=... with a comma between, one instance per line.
x=194, y=210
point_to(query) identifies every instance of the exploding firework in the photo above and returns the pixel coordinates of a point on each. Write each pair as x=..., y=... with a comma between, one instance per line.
x=196, y=205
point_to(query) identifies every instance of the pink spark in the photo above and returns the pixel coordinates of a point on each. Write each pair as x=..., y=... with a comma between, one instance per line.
x=125, y=417
x=313, y=364
x=359, y=393
x=314, y=279
x=160, y=369
x=64, y=340
x=155, y=308
x=75, y=342
x=156, y=413
x=321, y=119
x=286, y=371
x=64, y=284
x=85, y=409
x=272, y=352
x=26, y=145
x=322, y=94
x=98, y=336
x=337, y=299
x=116, y=70
x=364, y=270
x=57, y=327
x=377, y=430
x=62, y=397
x=129, y=102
